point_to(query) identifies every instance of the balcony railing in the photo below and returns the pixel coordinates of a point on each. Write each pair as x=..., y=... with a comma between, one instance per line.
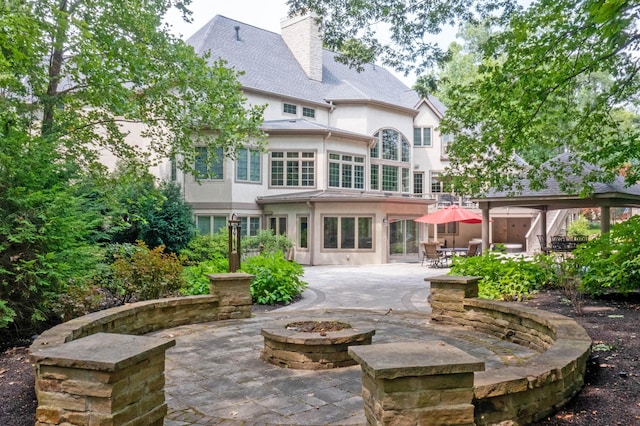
x=446, y=199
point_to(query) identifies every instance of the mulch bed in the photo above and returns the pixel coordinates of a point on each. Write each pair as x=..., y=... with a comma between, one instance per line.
x=611, y=395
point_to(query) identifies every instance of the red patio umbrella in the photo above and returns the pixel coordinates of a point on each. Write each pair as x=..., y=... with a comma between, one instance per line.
x=452, y=213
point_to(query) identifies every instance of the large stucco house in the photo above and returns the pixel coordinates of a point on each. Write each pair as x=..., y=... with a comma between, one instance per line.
x=353, y=157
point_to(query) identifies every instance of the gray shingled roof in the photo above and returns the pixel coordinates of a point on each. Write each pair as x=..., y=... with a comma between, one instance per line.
x=614, y=193
x=303, y=125
x=336, y=195
x=270, y=66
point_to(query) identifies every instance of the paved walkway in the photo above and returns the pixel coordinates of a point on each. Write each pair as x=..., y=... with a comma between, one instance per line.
x=215, y=376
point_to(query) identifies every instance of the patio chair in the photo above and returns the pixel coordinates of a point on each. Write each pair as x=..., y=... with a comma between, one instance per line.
x=474, y=247
x=430, y=253
x=544, y=248
x=559, y=243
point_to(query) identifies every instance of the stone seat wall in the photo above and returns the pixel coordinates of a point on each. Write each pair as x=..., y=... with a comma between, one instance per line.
x=516, y=394
x=87, y=387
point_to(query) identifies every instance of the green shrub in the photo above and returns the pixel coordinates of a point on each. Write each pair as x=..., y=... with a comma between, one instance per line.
x=79, y=299
x=504, y=278
x=276, y=279
x=269, y=242
x=206, y=247
x=579, y=227
x=144, y=275
x=611, y=262
x=196, y=282
x=6, y=314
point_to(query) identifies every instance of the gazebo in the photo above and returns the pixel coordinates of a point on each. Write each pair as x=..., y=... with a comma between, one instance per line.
x=552, y=197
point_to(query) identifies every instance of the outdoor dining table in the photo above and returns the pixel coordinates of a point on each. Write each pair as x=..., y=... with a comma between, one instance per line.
x=453, y=250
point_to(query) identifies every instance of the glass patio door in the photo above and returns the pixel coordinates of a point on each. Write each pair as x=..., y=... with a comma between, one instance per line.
x=403, y=239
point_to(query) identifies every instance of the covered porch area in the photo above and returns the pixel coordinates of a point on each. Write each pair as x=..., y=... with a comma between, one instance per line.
x=603, y=195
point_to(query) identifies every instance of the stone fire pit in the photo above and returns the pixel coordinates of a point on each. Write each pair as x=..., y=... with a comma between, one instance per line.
x=313, y=345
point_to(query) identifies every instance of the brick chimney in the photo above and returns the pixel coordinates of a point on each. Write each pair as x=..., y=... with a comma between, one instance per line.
x=304, y=39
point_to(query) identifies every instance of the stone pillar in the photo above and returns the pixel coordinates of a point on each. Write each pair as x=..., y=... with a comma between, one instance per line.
x=417, y=383
x=234, y=292
x=447, y=294
x=106, y=379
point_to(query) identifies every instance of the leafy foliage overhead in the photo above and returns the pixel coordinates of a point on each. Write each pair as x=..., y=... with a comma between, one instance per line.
x=75, y=71
x=559, y=76
x=567, y=74
x=400, y=33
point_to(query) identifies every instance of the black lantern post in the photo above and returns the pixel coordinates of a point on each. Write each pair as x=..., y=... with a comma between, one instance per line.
x=234, y=243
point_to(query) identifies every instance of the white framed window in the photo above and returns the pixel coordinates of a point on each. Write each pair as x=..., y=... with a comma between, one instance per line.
x=346, y=171
x=210, y=224
x=250, y=225
x=293, y=169
x=303, y=232
x=436, y=183
x=389, y=158
x=347, y=232
x=422, y=136
x=418, y=183
x=248, y=165
x=290, y=109
x=308, y=112
x=209, y=165
x=446, y=141
x=278, y=224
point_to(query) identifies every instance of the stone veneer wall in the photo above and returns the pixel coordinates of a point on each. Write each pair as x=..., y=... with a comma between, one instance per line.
x=519, y=394
x=65, y=375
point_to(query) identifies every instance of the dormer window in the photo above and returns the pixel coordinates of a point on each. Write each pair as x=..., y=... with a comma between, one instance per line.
x=308, y=112
x=290, y=109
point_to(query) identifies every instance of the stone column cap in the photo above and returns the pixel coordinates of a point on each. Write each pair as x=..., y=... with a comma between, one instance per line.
x=102, y=351
x=454, y=279
x=403, y=359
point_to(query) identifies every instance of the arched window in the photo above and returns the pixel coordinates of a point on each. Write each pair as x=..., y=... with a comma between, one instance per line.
x=390, y=156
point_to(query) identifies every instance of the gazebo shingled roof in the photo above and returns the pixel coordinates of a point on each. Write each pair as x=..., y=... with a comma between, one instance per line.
x=552, y=197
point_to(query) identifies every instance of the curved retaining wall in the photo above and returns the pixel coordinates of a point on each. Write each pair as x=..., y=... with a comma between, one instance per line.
x=516, y=394
x=88, y=371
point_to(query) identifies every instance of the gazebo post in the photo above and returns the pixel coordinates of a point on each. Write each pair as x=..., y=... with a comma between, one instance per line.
x=485, y=227
x=605, y=219
x=543, y=224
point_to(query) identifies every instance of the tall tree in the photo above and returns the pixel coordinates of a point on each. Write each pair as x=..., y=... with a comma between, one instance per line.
x=75, y=76
x=569, y=69
x=76, y=72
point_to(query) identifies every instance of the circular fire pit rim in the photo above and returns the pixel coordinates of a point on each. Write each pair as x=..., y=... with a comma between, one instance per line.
x=280, y=333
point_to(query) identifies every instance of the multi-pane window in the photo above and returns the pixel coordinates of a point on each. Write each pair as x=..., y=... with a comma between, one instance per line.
x=209, y=166
x=347, y=232
x=248, y=165
x=448, y=228
x=278, y=224
x=389, y=178
x=422, y=136
x=303, y=232
x=293, y=169
x=208, y=225
x=436, y=183
x=250, y=225
x=418, y=183
x=308, y=112
x=290, y=109
x=390, y=144
x=346, y=171
x=405, y=180
x=375, y=177
x=389, y=158
x=446, y=140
